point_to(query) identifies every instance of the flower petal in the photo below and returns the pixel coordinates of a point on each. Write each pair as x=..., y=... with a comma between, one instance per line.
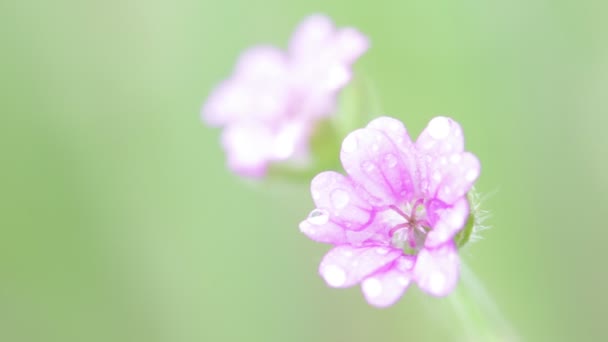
x=335, y=193
x=350, y=44
x=450, y=220
x=446, y=171
x=248, y=146
x=442, y=136
x=397, y=133
x=436, y=270
x=262, y=64
x=386, y=287
x=457, y=178
x=311, y=34
x=344, y=266
x=373, y=161
x=327, y=232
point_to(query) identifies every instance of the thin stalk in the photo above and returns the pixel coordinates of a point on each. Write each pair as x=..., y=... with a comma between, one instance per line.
x=477, y=312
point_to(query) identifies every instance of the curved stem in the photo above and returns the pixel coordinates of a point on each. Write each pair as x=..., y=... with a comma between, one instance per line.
x=479, y=315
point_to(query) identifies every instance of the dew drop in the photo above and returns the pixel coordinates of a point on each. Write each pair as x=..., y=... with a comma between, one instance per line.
x=334, y=275
x=368, y=166
x=382, y=250
x=339, y=198
x=391, y=160
x=318, y=217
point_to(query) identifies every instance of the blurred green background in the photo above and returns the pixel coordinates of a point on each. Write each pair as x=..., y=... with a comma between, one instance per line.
x=119, y=221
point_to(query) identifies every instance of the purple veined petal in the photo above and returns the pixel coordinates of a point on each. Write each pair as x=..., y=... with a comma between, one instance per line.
x=447, y=171
x=457, y=177
x=318, y=228
x=442, y=136
x=397, y=133
x=248, y=146
x=450, y=220
x=385, y=287
x=312, y=34
x=335, y=193
x=374, y=162
x=437, y=270
x=344, y=265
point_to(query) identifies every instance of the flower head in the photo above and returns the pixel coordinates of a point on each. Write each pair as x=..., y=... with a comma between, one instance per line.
x=393, y=217
x=273, y=99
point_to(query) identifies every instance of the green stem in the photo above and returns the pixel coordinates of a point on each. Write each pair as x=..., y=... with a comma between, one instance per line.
x=477, y=312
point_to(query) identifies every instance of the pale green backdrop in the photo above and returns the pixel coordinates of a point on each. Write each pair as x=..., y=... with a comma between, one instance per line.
x=119, y=221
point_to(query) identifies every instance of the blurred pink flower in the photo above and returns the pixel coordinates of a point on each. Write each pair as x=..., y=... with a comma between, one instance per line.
x=273, y=99
x=393, y=218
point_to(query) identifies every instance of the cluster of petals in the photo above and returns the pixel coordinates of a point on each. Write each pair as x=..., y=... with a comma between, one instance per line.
x=274, y=98
x=392, y=219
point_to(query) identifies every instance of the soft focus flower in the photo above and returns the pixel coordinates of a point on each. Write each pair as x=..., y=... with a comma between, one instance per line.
x=273, y=99
x=393, y=218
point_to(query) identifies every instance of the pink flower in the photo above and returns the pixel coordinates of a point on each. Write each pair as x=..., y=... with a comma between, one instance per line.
x=270, y=104
x=393, y=218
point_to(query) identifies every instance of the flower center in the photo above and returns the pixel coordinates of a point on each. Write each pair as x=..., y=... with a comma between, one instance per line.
x=410, y=234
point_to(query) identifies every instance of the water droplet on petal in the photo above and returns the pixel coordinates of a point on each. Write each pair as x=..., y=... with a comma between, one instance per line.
x=349, y=144
x=382, y=250
x=318, y=217
x=391, y=160
x=340, y=198
x=334, y=275
x=368, y=166
x=372, y=287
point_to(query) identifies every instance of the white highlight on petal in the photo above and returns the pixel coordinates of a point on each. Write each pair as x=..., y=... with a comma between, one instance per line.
x=439, y=128
x=403, y=280
x=334, y=275
x=340, y=198
x=349, y=145
x=436, y=282
x=436, y=176
x=471, y=175
x=455, y=158
x=372, y=287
